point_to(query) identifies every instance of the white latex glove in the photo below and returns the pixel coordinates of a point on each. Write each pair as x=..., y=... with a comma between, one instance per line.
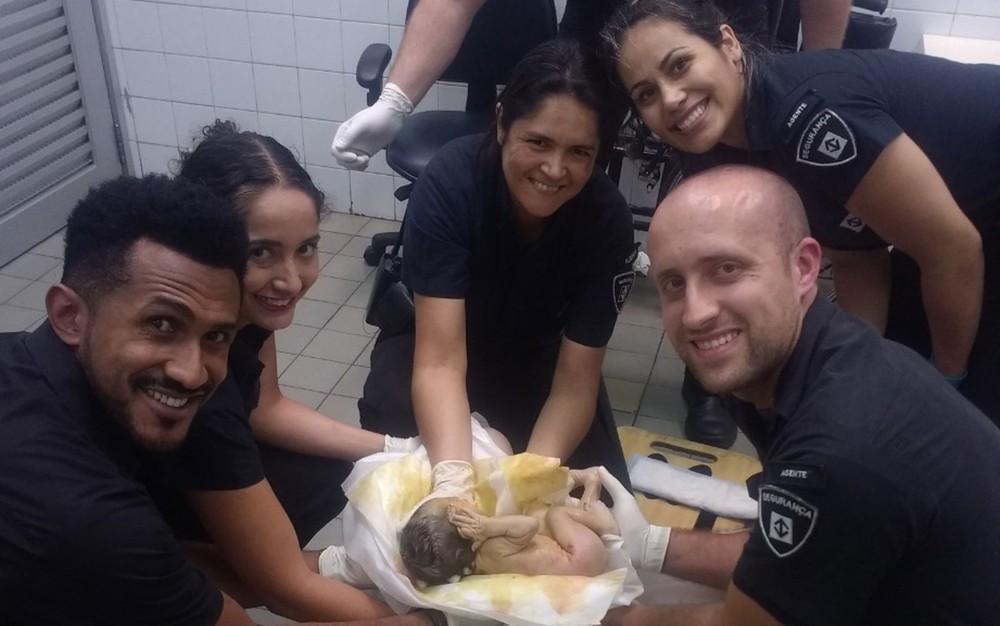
x=645, y=543
x=452, y=479
x=334, y=563
x=400, y=444
x=371, y=129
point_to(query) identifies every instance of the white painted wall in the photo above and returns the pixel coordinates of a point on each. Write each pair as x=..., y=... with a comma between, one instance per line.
x=286, y=68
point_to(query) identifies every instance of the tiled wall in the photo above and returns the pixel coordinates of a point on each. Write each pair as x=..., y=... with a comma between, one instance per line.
x=286, y=68
x=979, y=19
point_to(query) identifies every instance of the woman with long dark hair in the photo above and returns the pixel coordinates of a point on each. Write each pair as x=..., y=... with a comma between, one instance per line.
x=519, y=256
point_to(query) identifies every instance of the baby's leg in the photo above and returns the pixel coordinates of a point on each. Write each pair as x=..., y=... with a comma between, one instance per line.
x=573, y=529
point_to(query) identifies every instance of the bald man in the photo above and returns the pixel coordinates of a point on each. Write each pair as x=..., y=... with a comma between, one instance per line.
x=880, y=493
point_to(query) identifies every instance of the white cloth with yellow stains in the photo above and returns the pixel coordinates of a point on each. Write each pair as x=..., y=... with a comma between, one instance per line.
x=383, y=490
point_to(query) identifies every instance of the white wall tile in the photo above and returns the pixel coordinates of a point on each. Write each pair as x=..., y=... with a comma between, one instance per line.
x=397, y=12
x=228, y=34
x=232, y=84
x=183, y=29
x=378, y=165
x=286, y=129
x=356, y=36
x=336, y=184
x=189, y=119
x=322, y=95
x=271, y=38
x=317, y=42
x=157, y=159
x=399, y=181
x=146, y=74
x=225, y=4
x=912, y=26
x=285, y=7
x=451, y=96
x=246, y=120
x=372, y=195
x=277, y=89
x=375, y=11
x=317, y=8
x=109, y=12
x=154, y=121
x=317, y=136
x=138, y=25
x=976, y=26
x=133, y=160
x=395, y=38
x=936, y=6
x=190, y=80
x=990, y=8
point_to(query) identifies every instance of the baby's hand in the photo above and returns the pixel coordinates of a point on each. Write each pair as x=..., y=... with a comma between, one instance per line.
x=590, y=479
x=469, y=524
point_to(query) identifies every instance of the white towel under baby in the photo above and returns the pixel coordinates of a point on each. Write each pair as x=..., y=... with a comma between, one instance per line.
x=383, y=489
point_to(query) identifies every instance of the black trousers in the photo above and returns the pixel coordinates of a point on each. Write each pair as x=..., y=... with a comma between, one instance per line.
x=509, y=395
x=308, y=488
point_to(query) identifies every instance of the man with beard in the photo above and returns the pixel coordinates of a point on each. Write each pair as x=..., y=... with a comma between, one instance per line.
x=136, y=339
x=879, y=498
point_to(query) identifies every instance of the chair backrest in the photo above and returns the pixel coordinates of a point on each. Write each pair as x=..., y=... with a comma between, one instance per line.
x=502, y=32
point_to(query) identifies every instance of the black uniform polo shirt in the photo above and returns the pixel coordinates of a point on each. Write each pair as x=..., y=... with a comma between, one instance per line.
x=827, y=115
x=220, y=452
x=880, y=493
x=81, y=542
x=460, y=242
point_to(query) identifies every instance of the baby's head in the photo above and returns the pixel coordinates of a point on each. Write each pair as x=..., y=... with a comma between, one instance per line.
x=432, y=549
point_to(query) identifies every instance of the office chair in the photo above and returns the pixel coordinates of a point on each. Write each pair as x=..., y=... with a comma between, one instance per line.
x=502, y=32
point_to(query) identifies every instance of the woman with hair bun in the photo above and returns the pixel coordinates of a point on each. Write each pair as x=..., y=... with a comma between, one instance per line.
x=260, y=473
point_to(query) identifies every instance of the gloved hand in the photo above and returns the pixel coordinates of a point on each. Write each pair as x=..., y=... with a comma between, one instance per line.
x=371, y=129
x=645, y=543
x=452, y=479
x=403, y=445
x=334, y=563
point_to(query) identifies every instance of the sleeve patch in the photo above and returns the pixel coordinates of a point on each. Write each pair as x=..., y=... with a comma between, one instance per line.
x=621, y=285
x=826, y=141
x=786, y=520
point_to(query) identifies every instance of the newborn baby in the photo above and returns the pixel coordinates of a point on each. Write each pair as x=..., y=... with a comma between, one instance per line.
x=446, y=538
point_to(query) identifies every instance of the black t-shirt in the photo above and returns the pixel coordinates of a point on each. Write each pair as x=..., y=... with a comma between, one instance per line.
x=460, y=242
x=220, y=452
x=880, y=493
x=81, y=542
x=825, y=116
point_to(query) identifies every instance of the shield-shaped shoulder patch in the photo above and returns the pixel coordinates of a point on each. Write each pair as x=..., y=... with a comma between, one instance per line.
x=621, y=285
x=826, y=141
x=786, y=520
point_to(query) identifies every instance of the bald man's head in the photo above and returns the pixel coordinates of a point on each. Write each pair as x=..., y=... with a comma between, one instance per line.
x=736, y=271
x=771, y=200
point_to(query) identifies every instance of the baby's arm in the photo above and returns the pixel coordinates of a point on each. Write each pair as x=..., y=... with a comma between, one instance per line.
x=518, y=530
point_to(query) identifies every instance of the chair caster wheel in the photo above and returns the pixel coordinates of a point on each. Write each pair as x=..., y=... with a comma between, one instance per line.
x=372, y=256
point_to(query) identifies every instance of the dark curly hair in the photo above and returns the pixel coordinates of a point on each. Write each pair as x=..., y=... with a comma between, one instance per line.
x=181, y=215
x=431, y=548
x=241, y=165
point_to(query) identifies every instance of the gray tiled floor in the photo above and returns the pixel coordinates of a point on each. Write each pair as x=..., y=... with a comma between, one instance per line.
x=324, y=355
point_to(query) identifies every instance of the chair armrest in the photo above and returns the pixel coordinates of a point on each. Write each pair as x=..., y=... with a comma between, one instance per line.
x=371, y=67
